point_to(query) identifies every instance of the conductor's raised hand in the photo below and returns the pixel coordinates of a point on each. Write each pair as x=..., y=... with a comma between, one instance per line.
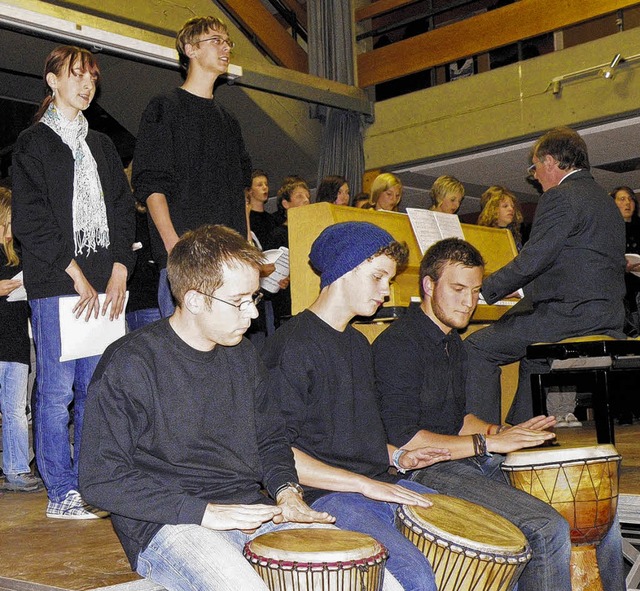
x=243, y=517
x=422, y=457
x=295, y=510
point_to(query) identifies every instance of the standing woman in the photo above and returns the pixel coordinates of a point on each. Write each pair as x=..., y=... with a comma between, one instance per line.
x=500, y=209
x=73, y=215
x=333, y=189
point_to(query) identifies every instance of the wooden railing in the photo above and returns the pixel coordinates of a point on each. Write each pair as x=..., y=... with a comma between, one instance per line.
x=476, y=35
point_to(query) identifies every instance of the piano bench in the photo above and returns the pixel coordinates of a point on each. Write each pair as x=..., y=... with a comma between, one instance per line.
x=588, y=362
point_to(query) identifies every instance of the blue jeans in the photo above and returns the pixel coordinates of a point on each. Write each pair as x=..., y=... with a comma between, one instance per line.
x=547, y=532
x=355, y=512
x=165, y=299
x=13, y=406
x=188, y=557
x=140, y=318
x=57, y=385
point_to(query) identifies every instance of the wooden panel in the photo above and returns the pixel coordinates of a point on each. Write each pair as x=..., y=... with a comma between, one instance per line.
x=298, y=9
x=381, y=7
x=306, y=223
x=479, y=34
x=257, y=20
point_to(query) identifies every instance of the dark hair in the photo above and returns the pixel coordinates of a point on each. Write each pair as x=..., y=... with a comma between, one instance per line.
x=194, y=28
x=66, y=56
x=328, y=189
x=565, y=145
x=449, y=250
x=629, y=190
x=397, y=251
x=197, y=260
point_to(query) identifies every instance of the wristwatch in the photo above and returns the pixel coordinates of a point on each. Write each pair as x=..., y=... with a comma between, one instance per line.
x=294, y=485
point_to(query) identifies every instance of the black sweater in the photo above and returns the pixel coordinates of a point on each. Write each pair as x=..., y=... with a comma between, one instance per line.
x=191, y=150
x=324, y=379
x=169, y=429
x=43, y=216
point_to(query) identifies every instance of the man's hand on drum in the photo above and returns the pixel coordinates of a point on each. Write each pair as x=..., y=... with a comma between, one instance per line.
x=244, y=517
x=531, y=433
x=423, y=456
x=391, y=493
x=295, y=510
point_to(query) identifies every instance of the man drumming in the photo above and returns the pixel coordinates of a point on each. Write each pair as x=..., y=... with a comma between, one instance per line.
x=321, y=368
x=421, y=370
x=180, y=436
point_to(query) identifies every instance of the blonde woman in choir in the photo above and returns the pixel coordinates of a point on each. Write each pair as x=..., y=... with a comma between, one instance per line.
x=500, y=209
x=447, y=193
x=386, y=192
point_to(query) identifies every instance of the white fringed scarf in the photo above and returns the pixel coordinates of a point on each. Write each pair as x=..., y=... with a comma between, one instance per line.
x=90, y=227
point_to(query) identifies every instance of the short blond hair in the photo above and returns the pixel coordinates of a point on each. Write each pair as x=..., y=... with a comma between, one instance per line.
x=443, y=186
x=192, y=30
x=382, y=183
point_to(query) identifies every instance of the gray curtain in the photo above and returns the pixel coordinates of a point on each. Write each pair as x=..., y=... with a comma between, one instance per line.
x=331, y=56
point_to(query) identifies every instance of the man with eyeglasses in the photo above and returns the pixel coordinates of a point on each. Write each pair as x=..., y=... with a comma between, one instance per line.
x=571, y=270
x=180, y=436
x=190, y=164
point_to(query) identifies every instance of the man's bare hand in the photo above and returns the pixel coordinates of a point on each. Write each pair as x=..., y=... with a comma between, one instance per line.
x=295, y=510
x=392, y=493
x=243, y=517
x=527, y=434
x=422, y=457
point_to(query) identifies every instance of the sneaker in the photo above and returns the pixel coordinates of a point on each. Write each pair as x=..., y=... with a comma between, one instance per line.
x=561, y=422
x=572, y=421
x=22, y=482
x=73, y=507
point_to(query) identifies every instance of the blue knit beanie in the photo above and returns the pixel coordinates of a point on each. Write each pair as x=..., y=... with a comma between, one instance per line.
x=342, y=247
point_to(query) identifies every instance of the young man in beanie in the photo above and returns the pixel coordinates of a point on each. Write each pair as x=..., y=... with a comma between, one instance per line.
x=321, y=369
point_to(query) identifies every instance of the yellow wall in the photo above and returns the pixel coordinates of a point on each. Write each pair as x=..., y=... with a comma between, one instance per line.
x=509, y=103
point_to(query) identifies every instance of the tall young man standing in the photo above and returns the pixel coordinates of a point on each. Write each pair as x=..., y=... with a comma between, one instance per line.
x=190, y=164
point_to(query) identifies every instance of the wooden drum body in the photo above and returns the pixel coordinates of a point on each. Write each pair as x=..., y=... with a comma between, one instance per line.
x=470, y=548
x=318, y=559
x=582, y=485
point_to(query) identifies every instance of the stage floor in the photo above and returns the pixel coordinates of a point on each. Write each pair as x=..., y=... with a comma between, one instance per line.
x=37, y=554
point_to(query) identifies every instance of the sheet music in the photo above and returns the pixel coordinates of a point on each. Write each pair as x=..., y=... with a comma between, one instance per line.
x=19, y=294
x=80, y=338
x=430, y=227
x=280, y=258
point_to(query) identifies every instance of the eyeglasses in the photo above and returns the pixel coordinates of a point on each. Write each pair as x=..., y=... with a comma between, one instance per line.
x=217, y=40
x=243, y=306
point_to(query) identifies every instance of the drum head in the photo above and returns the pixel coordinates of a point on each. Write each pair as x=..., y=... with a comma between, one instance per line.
x=315, y=545
x=559, y=456
x=468, y=525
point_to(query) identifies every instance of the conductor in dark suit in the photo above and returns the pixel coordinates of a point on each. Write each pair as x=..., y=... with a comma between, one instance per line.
x=571, y=270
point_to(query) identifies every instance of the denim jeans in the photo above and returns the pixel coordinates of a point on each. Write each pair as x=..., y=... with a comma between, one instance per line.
x=482, y=482
x=13, y=406
x=165, y=299
x=140, y=318
x=58, y=384
x=355, y=512
x=188, y=557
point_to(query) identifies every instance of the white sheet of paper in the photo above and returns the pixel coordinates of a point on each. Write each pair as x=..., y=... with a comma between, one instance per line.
x=430, y=227
x=19, y=294
x=80, y=338
x=280, y=258
x=631, y=257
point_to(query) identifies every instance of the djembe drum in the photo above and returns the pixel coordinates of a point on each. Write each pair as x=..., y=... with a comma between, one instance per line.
x=319, y=559
x=470, y=548
x=582, y=485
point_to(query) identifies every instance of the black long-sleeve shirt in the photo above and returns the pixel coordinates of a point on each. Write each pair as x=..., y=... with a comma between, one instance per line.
x=14, y=317
x=169, y=429
x=42, y=209
x=324, y=379
x=420, y=377
x=191, y=150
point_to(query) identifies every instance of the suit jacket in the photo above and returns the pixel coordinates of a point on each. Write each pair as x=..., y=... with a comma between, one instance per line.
x=575, y=252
